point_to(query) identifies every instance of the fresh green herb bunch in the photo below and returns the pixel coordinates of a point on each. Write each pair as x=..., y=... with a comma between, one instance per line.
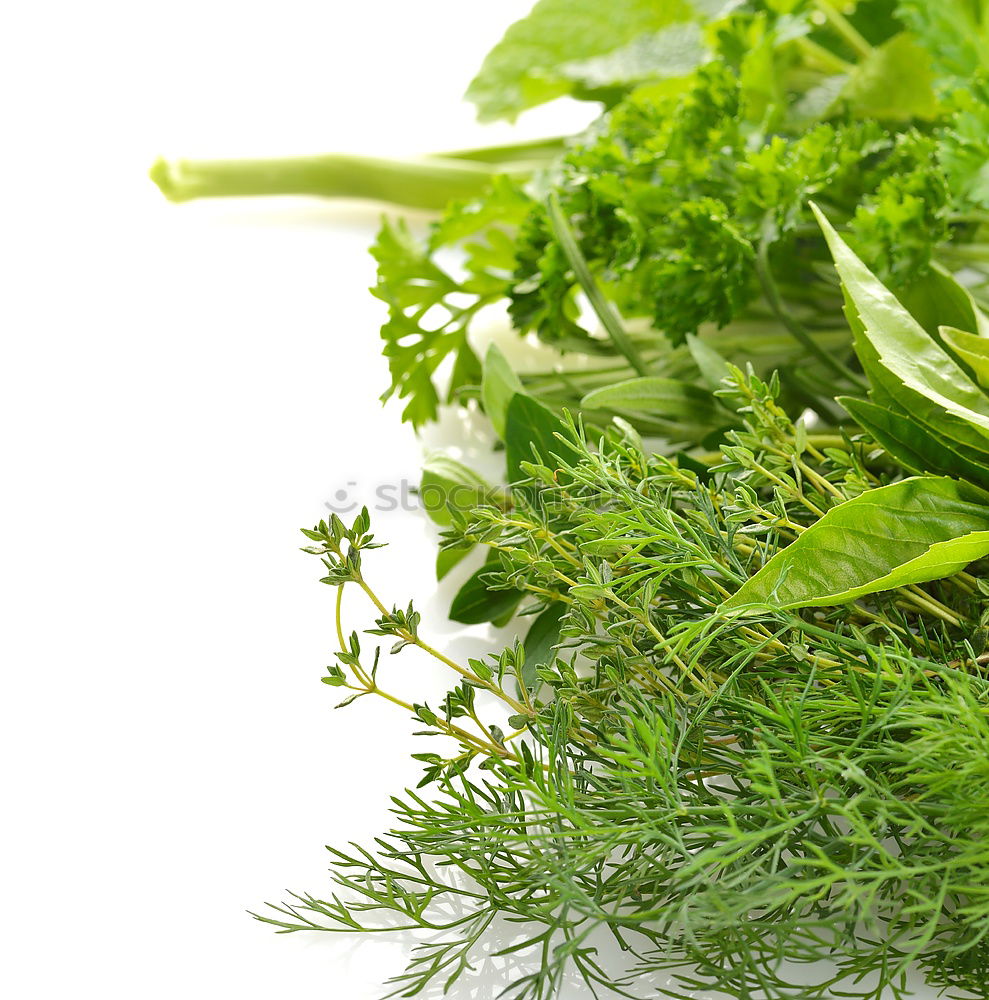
x=612, y=513
x=723, y=841
x=747, y=727
x=716, y=793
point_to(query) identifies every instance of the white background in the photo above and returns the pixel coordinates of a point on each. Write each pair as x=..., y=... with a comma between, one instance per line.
x=182, y=389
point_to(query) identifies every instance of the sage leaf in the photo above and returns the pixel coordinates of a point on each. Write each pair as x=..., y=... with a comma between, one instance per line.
x=664, y=407
x=531, y=430
x=498, y=384
x=710, y=363
x=920, y=529
x=664, y=397
x=448, y=483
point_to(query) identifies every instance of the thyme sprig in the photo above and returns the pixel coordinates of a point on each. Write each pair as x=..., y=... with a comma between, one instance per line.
x=711, y=794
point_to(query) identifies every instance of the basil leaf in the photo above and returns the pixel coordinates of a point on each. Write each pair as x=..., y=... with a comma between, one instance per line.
x=936, y=299
x=543, y=635
x=447, y=558
x=919, y=529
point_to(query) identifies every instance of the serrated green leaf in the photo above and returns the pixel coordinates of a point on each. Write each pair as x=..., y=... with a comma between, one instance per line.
x=963, y=153
x=919, y=529
x=952, y=31
x=412, y=285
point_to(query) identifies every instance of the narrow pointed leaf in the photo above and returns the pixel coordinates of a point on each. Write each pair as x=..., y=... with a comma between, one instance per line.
x=915, y=370
x=710, y=363
x=659, y=397
x=914, y=445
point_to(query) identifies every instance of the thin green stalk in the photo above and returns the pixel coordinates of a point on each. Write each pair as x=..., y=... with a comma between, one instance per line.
x=825, y=58
x=929, y=605
x=845, y=28
x=541, y=151
x=370, y=686
x=825, y=441
x=965, y=253
x=604, y=309
x=415, y=640
x=799, y=331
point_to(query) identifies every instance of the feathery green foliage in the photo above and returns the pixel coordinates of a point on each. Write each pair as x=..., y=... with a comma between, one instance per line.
x=716, y=796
